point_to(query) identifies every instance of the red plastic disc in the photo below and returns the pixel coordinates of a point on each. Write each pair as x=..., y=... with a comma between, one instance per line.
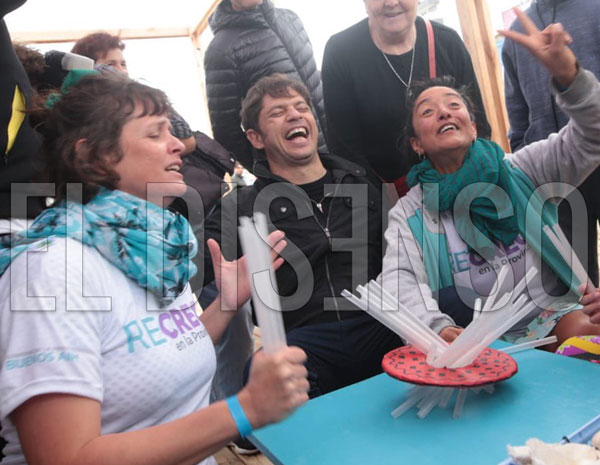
x=408, y=364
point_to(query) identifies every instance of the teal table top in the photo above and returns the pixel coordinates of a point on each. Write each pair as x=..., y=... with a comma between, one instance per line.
x=550, y=397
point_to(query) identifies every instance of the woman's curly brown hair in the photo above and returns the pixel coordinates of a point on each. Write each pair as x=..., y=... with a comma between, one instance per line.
x=97, y=45
x=81, y=133
x=33, y=62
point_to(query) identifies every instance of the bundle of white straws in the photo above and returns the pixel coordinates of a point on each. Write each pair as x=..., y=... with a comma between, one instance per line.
x=489, y=323
x=263, y=284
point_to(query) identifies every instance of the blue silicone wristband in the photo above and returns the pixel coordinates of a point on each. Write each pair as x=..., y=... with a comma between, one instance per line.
x=239, y=416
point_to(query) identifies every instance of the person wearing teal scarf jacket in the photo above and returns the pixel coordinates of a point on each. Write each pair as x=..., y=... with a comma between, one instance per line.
x=103, y=356
x=473, y=209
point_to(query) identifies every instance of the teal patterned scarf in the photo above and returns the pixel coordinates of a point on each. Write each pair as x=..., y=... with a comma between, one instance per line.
x=152, y=246
x=483, y=164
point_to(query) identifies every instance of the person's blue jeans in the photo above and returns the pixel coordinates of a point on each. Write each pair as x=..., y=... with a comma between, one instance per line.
x=341, y=353
x=233, y=349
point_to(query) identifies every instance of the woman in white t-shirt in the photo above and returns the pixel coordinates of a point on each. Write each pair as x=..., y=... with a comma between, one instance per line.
x=103, y=357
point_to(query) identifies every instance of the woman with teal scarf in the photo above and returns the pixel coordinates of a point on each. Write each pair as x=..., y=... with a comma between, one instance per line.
x=472, y=209
x=103, y=356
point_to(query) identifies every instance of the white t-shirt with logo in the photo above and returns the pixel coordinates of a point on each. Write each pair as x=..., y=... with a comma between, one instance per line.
x=71, y=322
x=474, y=276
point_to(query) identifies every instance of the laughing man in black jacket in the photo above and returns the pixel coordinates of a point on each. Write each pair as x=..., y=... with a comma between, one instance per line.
x=331, y=216
x=254, y=39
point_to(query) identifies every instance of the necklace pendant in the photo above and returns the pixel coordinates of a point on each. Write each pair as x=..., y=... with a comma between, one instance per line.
x=320, y=207
x=412, y=64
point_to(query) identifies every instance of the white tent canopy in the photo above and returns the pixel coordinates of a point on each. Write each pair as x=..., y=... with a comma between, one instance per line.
x=65, y=15
x=171, y=64
x=175, y=64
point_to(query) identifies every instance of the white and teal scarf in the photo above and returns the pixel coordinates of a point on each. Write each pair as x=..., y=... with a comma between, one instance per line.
x=152, y=246
x=485, y=162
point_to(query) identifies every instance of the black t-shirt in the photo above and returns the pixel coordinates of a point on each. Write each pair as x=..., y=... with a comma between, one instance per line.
x=317, y=191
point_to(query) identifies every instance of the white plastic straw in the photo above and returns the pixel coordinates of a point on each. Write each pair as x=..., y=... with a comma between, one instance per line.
x=473, y=339
x=529, y=345
x=412, y=330
x=581, y=273
x=393, y=304
x=495, y=333
x=262, y=282
x=460, y=402
x=446, y=397
x=520, y=287
x=431, y=390
x=489, y=388
x=491, y=300
x=468, y=340
x=410, y=402
x=432, y=354
x=476, y=308
x=401, y=330
x=518, y=305
x=417, y=390
x=567, y=253
x=467, y=357
x=432, y=400
x=427, y=339
x=489, y=331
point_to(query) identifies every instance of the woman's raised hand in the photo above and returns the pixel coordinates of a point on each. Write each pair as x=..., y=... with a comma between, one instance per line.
x=276, y=387
x=549, y=46
x=590, y=302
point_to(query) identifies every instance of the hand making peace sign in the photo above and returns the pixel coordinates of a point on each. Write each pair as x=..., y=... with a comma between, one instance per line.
x=549, y=46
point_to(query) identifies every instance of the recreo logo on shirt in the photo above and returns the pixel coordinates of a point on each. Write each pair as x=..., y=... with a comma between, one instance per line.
x=180, y=324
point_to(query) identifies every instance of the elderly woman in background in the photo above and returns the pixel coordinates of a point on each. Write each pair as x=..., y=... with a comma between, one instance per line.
x=436, y=241
x=104, y=358
x=367, y=70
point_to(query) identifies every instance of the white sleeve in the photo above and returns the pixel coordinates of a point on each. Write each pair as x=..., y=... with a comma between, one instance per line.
x=570, y=155
x=42, y=350
x=403, y=273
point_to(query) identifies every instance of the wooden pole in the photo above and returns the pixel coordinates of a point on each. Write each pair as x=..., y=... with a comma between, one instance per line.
x=51, y=37
x=200, y=68
x=479, y=38
x=199, y=29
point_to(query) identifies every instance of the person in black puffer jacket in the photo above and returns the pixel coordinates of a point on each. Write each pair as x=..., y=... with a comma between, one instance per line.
x=254, y=39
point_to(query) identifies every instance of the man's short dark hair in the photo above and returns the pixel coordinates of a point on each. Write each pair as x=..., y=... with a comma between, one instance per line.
x=276, y=85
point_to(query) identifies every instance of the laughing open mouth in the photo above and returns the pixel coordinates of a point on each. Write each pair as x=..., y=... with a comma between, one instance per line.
x=448, y=127
x=295, y=133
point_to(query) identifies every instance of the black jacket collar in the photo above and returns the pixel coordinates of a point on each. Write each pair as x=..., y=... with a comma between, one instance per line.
x=339, y=168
